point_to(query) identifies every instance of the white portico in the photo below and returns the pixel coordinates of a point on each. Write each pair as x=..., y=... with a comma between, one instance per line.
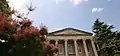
x=74, y=42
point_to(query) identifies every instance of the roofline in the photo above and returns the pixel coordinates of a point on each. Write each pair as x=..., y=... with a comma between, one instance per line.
x=89, y=33
x=70, y=35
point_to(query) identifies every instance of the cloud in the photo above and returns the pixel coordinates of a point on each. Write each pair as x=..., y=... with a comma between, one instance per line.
x=17, y=3
x=20, y=5
x=109, y=0
x=100, y=9
x=97, y=9
x=59, y=1
x=94, y=9
x=85, y=0
x=76, y=2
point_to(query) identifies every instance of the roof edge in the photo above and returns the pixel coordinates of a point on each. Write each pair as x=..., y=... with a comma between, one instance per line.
x=50, y=33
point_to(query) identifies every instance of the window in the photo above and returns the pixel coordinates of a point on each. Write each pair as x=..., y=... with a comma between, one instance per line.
x=79, y=48
x=61, y=50
x=70, y=48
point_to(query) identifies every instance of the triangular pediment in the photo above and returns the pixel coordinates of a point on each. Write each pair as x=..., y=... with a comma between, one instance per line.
x=70, y=31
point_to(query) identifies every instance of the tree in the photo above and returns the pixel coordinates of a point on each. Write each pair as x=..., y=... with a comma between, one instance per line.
x=107, y=40
x=21, y=38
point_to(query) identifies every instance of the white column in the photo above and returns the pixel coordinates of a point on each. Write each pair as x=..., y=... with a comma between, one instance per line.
x=85, y=46
x=76, y=49
x=57, y=54
x=66, y=51
x=94, y=48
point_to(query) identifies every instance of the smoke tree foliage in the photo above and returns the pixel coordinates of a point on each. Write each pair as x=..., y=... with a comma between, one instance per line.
x=107, y=40
x=20, y=37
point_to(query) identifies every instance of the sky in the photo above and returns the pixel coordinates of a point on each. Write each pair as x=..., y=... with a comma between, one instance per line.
x=79, y=14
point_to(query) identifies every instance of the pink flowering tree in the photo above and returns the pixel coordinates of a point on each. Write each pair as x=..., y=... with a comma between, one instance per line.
x=21, y=38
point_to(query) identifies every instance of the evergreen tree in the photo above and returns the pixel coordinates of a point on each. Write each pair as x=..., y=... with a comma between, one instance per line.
x=107, y=40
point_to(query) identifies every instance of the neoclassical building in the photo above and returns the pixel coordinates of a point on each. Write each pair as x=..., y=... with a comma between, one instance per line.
x=74, y=42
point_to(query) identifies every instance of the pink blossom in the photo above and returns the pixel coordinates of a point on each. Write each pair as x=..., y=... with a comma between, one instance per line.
x=43, y=27
x=56, y=46
x=37, y=38
x=26, y=20
x=1, y=22
x=14, y=36
x=51, y=45
x=46, y=43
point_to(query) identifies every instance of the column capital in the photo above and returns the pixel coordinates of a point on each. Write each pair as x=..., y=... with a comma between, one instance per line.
x=91, y=39
x=75, y=39
x=56, y=40
x=65, y=39
x=84, y=39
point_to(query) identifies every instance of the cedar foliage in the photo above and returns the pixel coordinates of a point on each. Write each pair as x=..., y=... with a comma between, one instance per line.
x=107, y=39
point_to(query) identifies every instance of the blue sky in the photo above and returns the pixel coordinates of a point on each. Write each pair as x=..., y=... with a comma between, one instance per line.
x=79, y=14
